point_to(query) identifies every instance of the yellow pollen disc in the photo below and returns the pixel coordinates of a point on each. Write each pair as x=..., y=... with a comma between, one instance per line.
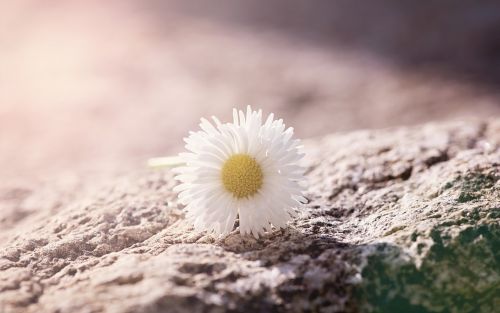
x=242, y=176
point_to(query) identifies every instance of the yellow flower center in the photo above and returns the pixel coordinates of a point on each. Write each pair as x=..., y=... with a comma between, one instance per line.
x=242, y=176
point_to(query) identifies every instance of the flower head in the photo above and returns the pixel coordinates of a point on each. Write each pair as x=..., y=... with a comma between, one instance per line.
x=246, y=168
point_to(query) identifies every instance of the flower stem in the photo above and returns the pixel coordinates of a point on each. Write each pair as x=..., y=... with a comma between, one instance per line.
x=161, y=162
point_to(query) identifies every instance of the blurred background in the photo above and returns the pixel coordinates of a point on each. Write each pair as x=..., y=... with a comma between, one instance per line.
x=104, y=85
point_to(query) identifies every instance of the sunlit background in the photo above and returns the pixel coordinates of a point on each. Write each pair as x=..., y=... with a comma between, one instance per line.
x=104, y=85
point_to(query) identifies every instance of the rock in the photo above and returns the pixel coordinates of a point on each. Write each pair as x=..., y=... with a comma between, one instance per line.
x=399, y=220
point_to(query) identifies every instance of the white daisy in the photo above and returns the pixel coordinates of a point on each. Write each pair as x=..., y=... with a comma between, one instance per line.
x=246, y=168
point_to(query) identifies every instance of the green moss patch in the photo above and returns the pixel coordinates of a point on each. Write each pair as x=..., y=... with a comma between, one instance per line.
x=473, y=185
x=459, y=275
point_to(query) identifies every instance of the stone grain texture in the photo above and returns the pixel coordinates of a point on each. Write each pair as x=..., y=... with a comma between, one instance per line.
x=398, y=220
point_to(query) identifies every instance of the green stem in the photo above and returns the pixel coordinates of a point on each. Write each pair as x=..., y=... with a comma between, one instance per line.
x=161, y=162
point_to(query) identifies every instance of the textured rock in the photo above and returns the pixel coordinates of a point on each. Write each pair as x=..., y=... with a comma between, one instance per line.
x=399, y=220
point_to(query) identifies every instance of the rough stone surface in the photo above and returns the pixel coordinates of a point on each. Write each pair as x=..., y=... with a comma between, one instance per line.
x=399, y=220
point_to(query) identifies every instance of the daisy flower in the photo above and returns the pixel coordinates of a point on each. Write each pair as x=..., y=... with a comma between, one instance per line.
x=246, y=168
